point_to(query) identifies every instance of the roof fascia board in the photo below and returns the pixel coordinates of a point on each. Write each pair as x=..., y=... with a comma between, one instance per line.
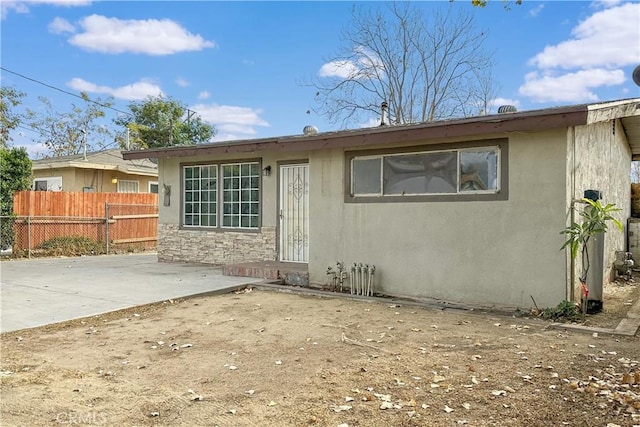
x=72, y=164
x=509, y=122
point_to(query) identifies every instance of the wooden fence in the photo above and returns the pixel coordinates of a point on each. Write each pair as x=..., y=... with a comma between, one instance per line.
x=115, y=219
x=87, y=205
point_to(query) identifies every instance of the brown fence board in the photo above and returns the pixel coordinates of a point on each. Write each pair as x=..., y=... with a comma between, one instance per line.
x=43, y=215
x=62, y=203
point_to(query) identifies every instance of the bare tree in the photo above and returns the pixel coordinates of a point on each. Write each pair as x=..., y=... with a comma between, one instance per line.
x=425, y=67
x=66, y=133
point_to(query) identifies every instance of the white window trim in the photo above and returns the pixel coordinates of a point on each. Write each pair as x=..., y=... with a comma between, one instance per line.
x=184, y=202
x=50, y=185
x=152, y=183
x=128, y=181
x=220, y=196
x=222, y=202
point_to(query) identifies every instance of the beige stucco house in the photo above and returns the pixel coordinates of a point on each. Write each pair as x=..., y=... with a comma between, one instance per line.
x=466, y=210
x=100, y=171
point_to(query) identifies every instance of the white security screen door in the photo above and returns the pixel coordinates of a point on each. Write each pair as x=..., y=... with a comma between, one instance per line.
x=294, y=213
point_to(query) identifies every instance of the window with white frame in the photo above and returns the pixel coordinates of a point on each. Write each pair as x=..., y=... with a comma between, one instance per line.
x=445, y=172
x=127, y=186
x=53, y=183
x=239, y=195
x=200, y=186
x=153, y=187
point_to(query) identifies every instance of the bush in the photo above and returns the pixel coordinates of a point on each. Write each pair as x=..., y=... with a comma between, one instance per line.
x=565, y=311
x=71, y=246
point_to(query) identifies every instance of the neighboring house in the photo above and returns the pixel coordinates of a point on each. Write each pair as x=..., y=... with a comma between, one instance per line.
x=101, y=171
x=465, y=210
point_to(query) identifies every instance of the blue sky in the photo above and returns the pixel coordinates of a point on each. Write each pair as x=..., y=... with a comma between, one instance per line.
x=240, y=64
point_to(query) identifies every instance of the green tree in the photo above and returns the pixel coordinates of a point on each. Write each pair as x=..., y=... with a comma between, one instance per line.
x=15, y=175
x=66, y=132
x=162, y=122
x=483, y=3
x=9, y=120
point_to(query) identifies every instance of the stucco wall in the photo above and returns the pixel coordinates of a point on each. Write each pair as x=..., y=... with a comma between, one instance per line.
x=500, y=252
x=219, y=246
x=601, y=160
x=75, y=179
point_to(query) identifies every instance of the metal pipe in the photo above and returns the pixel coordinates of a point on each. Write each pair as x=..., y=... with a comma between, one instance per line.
x=332, y=273
x=372, y=270
x=29, y=236
x=353, y=277
x=106, y=226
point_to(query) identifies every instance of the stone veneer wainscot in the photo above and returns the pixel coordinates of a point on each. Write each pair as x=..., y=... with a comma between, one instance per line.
x=215, y=247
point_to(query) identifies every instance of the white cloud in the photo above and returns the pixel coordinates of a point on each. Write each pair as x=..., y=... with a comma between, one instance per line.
x=343, y=69
x=182, y=82
x=7, y=6
x=536, y=10
x=600, y=46
x=603, y=4
x=151, y=36
x=364, y=64
x=607, y=38
x=133, y=92
x=60, y=25
x=231, y=122
x=569, y=87
x=204, y=95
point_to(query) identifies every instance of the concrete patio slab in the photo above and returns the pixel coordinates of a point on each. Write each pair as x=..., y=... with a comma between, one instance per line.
x=37, y=292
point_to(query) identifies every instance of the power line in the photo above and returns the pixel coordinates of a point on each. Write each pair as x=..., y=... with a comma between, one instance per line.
x=190, y=113
x=64, y=91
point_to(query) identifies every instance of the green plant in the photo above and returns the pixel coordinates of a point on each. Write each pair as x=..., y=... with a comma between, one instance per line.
x=15, y=175
x=566, y=310
x=71, y=246
x=594, y=220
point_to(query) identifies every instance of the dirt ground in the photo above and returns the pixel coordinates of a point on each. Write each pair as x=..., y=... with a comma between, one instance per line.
x=264, y=358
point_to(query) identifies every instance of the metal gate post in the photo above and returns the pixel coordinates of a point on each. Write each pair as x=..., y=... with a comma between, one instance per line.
x=106, y=225
x=29, y=236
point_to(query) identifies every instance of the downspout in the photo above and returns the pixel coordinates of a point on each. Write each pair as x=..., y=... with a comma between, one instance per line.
x=572, y=269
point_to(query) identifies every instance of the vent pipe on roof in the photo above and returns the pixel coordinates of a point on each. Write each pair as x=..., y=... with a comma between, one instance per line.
x=310, y=130
x=84, y=143
x=383, y=118
x=507, y=109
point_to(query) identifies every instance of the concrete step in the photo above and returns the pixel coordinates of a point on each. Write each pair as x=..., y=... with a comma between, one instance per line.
x=291, y=273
